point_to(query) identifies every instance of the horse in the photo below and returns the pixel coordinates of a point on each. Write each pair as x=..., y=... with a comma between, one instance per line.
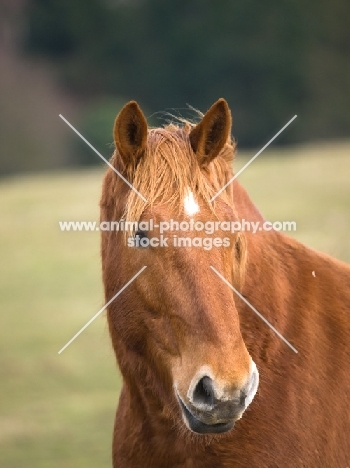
x=206, y=383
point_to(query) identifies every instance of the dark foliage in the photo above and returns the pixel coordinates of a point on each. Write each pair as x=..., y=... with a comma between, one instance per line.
x=270, y=59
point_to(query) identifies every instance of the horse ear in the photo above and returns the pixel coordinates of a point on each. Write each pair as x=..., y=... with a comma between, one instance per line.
x=130, y=134
x=210, y=135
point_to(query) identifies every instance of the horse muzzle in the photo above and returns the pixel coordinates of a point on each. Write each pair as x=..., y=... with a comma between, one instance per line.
x=204, y=412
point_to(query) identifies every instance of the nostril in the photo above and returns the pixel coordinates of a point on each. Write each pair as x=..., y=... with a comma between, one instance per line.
x=242, y=398
x=204, y=392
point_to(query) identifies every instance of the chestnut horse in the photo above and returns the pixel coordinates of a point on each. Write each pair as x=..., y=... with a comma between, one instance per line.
x=188, y=347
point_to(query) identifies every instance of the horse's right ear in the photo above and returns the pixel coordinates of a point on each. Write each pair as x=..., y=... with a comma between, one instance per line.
x=130, y=134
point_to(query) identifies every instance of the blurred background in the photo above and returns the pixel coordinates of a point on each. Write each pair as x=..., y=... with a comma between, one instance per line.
x=85, y=59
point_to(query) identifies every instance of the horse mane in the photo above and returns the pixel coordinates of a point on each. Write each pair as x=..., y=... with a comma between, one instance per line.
x=170, y=169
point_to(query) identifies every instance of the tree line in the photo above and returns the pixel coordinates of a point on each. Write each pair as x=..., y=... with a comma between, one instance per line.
x=270, y=59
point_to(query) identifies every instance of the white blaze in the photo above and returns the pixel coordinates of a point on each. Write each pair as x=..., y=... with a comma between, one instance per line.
x=190, y=205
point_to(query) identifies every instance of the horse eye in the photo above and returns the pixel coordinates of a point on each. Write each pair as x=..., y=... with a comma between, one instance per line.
x=141, y=234
x=141, y=239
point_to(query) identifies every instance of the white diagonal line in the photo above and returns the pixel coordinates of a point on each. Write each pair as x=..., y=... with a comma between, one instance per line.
x=104, y=159
x=103, y=308
x=251, y=160
x=254, y=309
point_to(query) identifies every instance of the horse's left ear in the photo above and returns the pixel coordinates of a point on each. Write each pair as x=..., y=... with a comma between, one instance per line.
x=210, y=135
x=130, y=134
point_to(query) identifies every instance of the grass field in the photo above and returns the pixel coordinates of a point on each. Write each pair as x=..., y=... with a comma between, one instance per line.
x=58, y=410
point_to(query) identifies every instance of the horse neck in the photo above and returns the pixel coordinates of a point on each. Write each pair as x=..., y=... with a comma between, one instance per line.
x=302, y=293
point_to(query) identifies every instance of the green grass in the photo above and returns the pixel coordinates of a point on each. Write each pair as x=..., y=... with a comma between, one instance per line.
x=309, y=185
x=58, y=410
